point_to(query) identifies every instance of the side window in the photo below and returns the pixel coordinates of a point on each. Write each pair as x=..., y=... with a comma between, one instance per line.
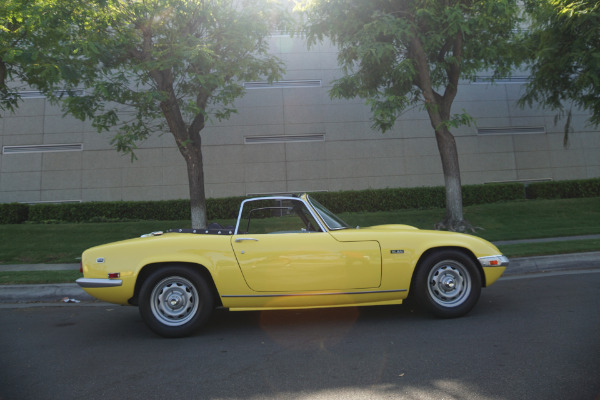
x=276, y=216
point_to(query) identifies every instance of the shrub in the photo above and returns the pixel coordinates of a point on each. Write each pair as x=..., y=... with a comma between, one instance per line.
x=166, y=210
x=224, y=208
x=13, y=213
x=564, y=189
x=415, y=198
x=492, y=193
x=111, y=211
x=338, y=202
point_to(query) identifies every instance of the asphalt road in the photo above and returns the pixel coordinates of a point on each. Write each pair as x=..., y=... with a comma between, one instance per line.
x=531, y=338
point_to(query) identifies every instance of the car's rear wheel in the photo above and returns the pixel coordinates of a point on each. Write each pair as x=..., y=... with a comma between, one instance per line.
x=447, y=284
x=175, y=301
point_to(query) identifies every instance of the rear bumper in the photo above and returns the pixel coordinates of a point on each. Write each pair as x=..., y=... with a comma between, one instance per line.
x=98, y=283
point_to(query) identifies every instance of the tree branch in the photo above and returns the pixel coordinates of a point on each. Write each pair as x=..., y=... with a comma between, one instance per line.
x=199, y=120
x=444, y=50
x=453, y=74
x=3, y=74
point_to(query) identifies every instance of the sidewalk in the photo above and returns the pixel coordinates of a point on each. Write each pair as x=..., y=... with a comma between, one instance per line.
x=54, y=293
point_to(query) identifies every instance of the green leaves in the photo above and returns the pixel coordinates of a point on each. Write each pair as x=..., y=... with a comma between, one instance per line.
x=185, y=56
x=396, y=54
x=564, y=51
x=38, y=39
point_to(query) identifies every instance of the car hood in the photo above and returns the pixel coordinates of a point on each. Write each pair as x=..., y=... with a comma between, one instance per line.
x=416, y=238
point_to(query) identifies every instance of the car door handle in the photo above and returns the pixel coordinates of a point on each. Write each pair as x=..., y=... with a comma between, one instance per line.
x=238, y=240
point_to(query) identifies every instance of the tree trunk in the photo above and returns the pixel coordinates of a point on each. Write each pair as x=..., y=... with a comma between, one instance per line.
x=190, y=146
x=187, y=137
x=439, y=116
x=454, y=220
x=195, y=170
x=438, y=107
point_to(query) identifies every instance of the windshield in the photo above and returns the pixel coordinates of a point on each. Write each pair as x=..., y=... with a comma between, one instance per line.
x=332, y=221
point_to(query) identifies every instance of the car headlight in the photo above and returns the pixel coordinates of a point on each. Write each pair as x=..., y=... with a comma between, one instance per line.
x=494, y=261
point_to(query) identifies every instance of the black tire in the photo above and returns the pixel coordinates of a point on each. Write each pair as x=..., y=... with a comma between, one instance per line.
x=447, y=284
x=175, y=301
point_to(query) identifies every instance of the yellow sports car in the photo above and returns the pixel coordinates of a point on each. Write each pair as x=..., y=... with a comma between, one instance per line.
x=288, y=252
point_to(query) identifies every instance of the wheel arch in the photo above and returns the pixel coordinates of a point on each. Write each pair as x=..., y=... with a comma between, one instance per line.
x=148, y=269
x=463, y=250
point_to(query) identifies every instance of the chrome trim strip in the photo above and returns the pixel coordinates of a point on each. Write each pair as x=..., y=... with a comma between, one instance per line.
x=98, y=283
x=313, y=294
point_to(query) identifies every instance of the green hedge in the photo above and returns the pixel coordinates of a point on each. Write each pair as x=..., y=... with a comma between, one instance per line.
x=167, y=210
x=223, y=208
x=492, y=193
x=382, y=199
x=564, y=189
x=13, y=213
x=338, y=202
x=411, y=198
x=110, y=211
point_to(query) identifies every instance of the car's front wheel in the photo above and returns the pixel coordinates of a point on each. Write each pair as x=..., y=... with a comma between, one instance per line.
x=175, y=301
x=447, y=284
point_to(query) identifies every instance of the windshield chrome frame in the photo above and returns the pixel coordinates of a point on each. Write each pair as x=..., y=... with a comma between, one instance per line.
x=319, y=209
x=308, y=205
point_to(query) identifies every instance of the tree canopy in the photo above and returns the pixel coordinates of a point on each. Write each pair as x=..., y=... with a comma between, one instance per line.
x=396, y=54
x=158, y=58
x=564, y=52
x=144, y=66
x=36, y=38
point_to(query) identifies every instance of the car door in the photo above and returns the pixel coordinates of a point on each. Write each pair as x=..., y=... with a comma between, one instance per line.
x=295, y=254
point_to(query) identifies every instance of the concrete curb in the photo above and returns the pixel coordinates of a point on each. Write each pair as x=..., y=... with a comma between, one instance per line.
x=54, y=293
x=42, y=293
x=40, y=267
x=559, y=262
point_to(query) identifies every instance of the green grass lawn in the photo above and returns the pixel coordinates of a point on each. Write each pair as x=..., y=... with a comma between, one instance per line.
x=527, y=219
x=64, y=243
x=534, y=249
x=38, y=277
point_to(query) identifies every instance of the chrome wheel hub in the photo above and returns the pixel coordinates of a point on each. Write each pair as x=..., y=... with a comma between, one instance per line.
x=449, y=283
x=174, y=301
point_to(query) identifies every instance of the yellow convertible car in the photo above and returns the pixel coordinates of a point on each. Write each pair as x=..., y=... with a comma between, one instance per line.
x=288, y=252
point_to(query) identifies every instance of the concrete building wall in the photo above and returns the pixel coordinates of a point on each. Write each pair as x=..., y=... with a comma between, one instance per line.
x=292, y=140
